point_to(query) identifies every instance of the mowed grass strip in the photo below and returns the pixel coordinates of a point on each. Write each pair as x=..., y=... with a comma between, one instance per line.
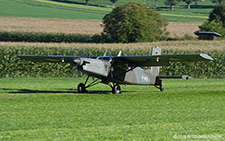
x=48, y=108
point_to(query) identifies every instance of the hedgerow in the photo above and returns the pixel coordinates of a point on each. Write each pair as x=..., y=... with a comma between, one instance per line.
x=12, y=66
x=45, y=37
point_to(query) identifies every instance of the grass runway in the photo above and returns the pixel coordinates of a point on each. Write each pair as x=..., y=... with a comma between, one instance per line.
x=48, y=108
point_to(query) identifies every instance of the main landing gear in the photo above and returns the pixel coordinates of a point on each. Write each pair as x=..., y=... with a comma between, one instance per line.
x=82, y=87
x=158, y=84
x=116, y=89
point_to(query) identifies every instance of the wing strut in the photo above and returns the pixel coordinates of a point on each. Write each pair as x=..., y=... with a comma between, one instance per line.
x=82, y=87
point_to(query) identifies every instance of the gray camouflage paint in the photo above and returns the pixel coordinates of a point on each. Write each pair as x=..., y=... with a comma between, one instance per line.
x=120, y=73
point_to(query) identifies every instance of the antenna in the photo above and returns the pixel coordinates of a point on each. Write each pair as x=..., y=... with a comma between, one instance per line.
x=119, y=54
x=105, y=53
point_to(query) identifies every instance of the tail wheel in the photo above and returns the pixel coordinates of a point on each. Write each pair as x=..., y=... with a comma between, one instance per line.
x=81, y=88
x=116, y=89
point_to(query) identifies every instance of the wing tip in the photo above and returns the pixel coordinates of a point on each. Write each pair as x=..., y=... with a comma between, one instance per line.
x=207, y=57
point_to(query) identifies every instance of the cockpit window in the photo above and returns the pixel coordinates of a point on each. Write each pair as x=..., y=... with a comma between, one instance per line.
x=107, y=58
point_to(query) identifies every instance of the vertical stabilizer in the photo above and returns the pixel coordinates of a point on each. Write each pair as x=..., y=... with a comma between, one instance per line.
x=155, y=51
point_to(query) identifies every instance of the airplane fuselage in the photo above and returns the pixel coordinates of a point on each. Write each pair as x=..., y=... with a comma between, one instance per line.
x=118, y=73
x=121, y=69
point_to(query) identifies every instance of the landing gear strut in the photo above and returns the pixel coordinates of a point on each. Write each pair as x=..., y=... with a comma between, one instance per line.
x=82, y=87
x=158, y=84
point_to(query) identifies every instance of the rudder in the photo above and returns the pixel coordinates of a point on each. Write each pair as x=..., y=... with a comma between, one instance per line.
x=155, y=70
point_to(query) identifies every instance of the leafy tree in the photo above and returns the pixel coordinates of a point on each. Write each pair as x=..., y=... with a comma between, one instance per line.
x=188, y=3
x=171, y=3
x=218, y=14
x=196, y=2
x=113, y=1
x=134, y=22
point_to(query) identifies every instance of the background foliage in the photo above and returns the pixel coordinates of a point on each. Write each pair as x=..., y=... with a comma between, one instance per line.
x=212, y=26
x=216, y=22
x=12, y=66
x=134, y=22
x=218, y=14
x=46, y=37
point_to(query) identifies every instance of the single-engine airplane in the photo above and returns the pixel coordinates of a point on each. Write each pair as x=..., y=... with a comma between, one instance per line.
x=115, y=70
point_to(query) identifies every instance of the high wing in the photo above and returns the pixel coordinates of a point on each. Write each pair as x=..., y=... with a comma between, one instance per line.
x=132, y=61
x=56, y=59
x=160, y=60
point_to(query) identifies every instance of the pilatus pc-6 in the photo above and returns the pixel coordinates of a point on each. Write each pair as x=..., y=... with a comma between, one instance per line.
x=115, y=70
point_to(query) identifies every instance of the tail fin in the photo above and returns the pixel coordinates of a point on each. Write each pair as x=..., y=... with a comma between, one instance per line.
x=155, y=51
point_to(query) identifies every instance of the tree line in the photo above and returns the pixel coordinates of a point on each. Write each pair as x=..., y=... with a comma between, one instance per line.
x=170, y=3
x=86, y=2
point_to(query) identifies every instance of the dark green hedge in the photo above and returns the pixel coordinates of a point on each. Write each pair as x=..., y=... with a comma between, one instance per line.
x=12, y=66
x=47, y=37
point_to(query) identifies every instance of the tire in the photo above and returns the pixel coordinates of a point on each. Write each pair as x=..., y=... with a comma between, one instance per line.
x=162, y=89
x=81, y=88
x=116, y=89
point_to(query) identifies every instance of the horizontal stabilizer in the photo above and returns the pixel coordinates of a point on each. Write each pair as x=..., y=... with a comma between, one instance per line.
x=175, y=77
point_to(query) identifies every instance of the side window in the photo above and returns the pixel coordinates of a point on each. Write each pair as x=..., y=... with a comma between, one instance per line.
x=106, y=67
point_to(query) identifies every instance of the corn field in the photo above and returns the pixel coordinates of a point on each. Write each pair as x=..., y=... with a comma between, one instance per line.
x=11, y=66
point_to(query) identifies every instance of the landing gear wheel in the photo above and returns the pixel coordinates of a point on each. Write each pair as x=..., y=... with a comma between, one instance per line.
x=161, y=89
x=116, y=89
x=81, y=88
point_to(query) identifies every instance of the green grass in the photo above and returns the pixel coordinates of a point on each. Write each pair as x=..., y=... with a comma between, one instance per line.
x=180, y=14
x=185, y=15
x=48, y=108
x=10, y=8
x=51, y=9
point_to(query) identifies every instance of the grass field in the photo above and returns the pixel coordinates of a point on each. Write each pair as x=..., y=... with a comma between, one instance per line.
x=11, y=8
x=51, y=9
x=48, y=108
